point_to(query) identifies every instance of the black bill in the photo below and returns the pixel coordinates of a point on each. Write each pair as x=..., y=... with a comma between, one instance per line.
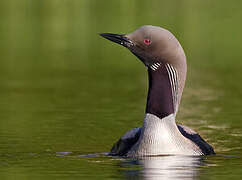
x=118, y=38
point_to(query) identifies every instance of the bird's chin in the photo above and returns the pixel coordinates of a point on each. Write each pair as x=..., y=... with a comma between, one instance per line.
x=143, y=58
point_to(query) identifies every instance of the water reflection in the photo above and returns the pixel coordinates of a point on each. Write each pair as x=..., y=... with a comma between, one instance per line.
x=163, y=167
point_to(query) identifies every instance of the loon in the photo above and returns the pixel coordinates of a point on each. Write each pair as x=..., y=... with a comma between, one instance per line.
x=165, y=60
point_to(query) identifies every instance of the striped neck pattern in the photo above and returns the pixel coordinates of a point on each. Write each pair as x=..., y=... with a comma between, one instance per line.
x=173, y=77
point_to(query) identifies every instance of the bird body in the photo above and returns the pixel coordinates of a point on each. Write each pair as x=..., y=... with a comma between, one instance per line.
x=165, y=60
x=161, y=136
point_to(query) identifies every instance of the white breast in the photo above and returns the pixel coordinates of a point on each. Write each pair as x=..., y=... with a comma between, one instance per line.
x=162, y=137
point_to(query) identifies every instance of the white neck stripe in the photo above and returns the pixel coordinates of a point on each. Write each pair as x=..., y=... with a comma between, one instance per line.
x=173, y=77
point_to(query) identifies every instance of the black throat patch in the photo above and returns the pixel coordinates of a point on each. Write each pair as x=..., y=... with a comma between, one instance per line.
x=160, y=98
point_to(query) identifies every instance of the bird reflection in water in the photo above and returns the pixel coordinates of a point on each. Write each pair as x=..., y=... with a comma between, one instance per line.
x=163, y=167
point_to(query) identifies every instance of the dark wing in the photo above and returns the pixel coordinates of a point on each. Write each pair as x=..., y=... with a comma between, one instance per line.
x=197, y=139
x=125, y=143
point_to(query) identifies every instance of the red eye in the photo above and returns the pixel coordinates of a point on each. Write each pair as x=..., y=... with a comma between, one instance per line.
x=147, y=41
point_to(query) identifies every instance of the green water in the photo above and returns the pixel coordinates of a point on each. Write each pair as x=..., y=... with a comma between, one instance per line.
x=65, y=92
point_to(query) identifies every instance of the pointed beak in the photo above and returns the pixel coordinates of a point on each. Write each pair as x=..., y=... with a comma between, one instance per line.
x=118, y=38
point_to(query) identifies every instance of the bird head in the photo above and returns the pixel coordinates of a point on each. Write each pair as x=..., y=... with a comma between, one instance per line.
x=151, y=44
x=157, y=48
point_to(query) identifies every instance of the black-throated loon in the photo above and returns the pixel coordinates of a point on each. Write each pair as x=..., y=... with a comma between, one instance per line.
x=165, y=60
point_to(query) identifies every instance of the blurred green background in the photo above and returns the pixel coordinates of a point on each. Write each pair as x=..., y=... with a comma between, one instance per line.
x=63, y=88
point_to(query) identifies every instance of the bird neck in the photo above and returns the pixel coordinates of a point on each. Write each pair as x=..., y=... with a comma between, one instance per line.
x=162, y=93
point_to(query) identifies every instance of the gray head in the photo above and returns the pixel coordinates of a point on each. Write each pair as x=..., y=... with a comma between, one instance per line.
x=155, y=47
